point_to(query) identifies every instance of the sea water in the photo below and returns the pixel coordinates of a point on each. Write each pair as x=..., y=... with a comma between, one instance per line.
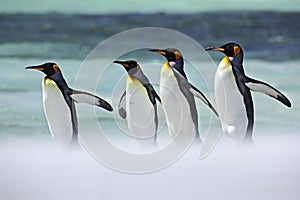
x=68, y=39
x=32, y=167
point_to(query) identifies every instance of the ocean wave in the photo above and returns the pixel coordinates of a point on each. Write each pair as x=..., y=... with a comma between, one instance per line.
x=264, y=35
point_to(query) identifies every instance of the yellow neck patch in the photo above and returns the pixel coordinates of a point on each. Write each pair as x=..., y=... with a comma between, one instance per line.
x=133, y=81
x=166, y=65
x=225, y=65
x=226, y=60
x=48, y=81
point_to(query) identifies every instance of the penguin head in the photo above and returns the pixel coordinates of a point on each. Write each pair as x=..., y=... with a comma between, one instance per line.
x=48, y=68
x=171, y=54
x=131, y=66
x=174, y=57
x=231, y=49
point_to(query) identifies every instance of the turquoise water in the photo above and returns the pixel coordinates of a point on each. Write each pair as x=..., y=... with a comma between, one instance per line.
x=271, y=55
x=269, y=36
x=270, y=41
x=134, y=6
x=22, y=112
x=66, y=31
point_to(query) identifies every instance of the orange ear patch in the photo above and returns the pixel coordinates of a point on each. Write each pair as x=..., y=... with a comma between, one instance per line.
x=55, y=67
x=177, y=55
x=236, y=50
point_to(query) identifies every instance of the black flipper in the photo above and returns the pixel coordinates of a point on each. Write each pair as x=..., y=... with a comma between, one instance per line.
x=259, y=86
x=201, y=96
x=140, y=76
x=122, y=106
x=152, y=93
x=195, y=91
x=85, y=97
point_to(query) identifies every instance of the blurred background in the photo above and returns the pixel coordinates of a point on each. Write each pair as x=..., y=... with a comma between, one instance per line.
x=267, y=30
x=34, y=32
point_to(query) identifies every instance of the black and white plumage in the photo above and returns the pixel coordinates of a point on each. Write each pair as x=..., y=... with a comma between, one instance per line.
x=138, y=104
x=59, y=104
x=233, y=93
x=177, y=95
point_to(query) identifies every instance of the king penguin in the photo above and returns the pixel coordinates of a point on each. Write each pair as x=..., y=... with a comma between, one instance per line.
x=59, y=104
x=138, y=105
x=232, y=93
x=177, y=96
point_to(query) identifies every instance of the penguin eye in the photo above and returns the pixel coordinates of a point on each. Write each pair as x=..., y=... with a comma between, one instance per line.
x=171, y=57
x=236, y=50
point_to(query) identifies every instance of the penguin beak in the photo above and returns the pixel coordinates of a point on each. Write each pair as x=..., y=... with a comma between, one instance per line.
x=121, y=63
x=162, y=52
x=35, y=67
x=215, y=49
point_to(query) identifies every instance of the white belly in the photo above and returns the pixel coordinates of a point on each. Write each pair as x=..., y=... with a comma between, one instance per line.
x=176, y=107
x=140, y=111
x=57, y=113
x=230, y=103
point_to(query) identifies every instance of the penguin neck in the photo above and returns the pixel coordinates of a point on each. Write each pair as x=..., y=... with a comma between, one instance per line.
x=140, y=76
x=178, y=65
x=237, y=62
x=131, y=71
x=59, y=80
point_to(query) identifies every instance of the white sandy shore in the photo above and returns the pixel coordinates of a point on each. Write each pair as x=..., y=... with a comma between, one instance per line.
x=34, y=168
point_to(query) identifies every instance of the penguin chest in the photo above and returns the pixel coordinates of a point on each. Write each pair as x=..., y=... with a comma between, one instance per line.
x=57, y=112
x=141, y=114
x=175, y=105
x=230, y=102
